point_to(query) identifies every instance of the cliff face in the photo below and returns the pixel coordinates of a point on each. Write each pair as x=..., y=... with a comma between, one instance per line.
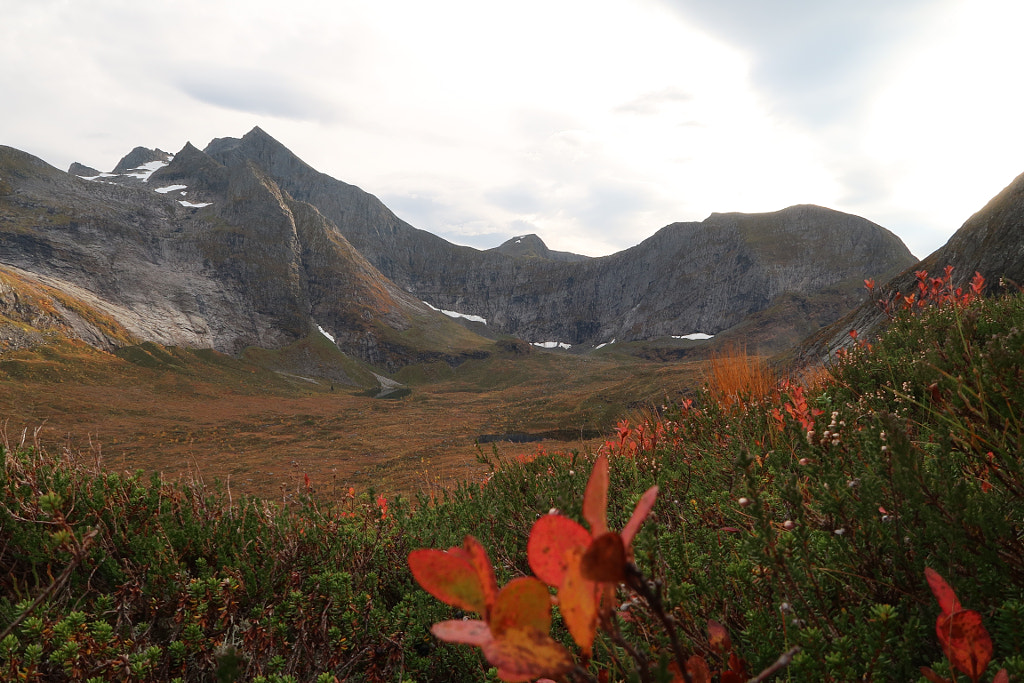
x=688, y=277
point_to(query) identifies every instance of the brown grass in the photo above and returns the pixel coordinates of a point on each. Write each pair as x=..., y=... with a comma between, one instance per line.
x=735, y=377
x=261, y=439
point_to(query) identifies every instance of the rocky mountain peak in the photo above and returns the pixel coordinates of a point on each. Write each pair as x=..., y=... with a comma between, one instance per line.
x=532, y=246
x=139, y=157
x=194, y=169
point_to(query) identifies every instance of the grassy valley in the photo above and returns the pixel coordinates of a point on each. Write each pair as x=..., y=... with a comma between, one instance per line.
x=801, y=516
x=263, y=422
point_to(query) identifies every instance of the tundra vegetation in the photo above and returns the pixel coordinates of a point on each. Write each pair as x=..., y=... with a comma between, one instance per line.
x=859, y=523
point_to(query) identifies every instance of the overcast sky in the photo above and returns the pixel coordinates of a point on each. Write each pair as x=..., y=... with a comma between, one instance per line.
x=592, y=123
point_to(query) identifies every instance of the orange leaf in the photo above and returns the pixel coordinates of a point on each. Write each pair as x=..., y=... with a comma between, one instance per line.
x=595, y=497
x=469, y=632
x=605, y=559
x=450, y=577
x=578, y=601
x=943, y=592
x=482, y=564
x=718, y=637
x=640, y=512
x=965, y=642
x=932, y=676
x=523, y=654
x=698, y=669
x=550, y=538
x=522, y=603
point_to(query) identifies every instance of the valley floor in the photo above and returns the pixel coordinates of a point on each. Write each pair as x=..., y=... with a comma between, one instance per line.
x=264, y=438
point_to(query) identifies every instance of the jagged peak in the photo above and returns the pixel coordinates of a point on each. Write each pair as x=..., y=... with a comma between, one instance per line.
x=139, y=156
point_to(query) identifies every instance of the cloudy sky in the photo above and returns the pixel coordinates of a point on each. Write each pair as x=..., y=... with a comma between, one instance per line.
x=592, y=123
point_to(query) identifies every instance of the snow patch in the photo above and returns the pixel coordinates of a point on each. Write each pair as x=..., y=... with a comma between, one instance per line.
x=694, y=336
x=601, y=346
x=454, y=314
x=97, y=177
x=552, y=345
x=193, y=206
x=143, y=172
x=326, y=334
x=170, y=188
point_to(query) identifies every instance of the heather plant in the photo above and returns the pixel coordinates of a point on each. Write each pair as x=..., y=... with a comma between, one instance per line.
x=804, y=516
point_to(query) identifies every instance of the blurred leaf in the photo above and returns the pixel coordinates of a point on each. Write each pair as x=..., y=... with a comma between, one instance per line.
x=595, y=498
x=605, y=559
x=718, y=637
x=523, y=603
x=698, y=669
x=468, y=632
x=550, y=538
x=932, y=676
x=640, y=512
x=578, y=601
x=523, y=654
x=943, y=592
x=965, y=642
x=449, y=576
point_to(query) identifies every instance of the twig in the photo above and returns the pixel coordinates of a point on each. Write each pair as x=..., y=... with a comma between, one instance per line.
x=780, y=663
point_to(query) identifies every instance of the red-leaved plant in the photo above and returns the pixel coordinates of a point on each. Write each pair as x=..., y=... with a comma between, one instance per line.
x=964, y=639
x=584, y=565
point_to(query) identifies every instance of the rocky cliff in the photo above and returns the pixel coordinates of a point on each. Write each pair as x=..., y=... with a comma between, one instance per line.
x=689, y=277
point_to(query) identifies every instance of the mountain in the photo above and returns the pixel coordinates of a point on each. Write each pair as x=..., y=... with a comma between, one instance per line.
x=689, y=277
x=533, y=246
x=990, y=242
x=242, y=244
x=230, y=263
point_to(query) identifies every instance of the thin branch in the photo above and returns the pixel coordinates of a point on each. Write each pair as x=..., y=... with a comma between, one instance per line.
x=780, y=663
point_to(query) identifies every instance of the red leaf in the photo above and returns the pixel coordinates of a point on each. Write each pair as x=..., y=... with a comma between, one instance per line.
x=965, y=642
x=523, y=654
x=1001, y=677
x=640, y=512
x=450, y=577
x=550, y=538
x=698, y=669
x=595, y=497
x=732, y=677
x=469, y=632
x=948, y=601
x=932, y=676
x=578, y=601
x=522, y=603
x=718, y=637
x=605, y=559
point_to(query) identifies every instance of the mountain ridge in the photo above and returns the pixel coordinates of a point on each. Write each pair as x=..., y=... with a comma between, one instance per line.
x=244, y=244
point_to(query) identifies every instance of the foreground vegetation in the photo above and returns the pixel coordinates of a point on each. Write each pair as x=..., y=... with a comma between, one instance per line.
x=801, y=513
